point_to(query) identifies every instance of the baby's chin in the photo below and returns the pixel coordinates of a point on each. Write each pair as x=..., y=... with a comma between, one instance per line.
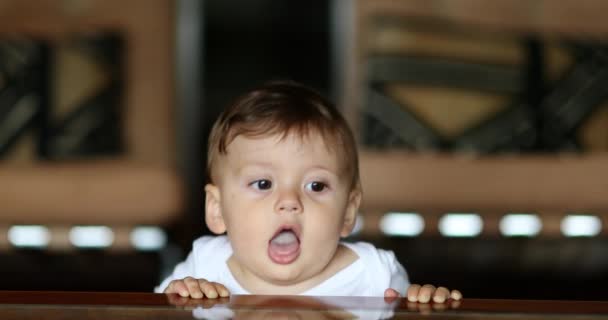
x=286, y=275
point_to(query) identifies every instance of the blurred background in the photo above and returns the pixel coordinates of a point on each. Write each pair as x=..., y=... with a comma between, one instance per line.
x=482, y=127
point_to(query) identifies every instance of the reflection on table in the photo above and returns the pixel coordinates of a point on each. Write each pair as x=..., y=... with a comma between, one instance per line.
x=107, y=305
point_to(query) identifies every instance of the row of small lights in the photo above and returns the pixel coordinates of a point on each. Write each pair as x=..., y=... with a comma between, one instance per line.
x=471, y=225
x=35, y=236
x=392, y=224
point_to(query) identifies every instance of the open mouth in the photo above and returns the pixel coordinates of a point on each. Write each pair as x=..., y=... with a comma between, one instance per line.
x=284, y=247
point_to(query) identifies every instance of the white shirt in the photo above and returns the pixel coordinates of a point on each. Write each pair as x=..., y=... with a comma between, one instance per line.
x=370, y=275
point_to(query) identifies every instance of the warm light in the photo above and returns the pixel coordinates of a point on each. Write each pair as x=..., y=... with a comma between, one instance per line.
x=29, y=236
x=402, y=224
x=91, y=236
x=148, y=238
x=520, y=224
x=460, y=225
x=581, y=226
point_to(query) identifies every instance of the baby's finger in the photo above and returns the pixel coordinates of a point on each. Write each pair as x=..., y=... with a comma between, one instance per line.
x=179, y=287
x=441, y=295
x=193, y=287
x=391, y=295
x=221, y=289
x=425, y=293
x=208, y=289
x=456, y=295
x=412, y=292
x=177, y=300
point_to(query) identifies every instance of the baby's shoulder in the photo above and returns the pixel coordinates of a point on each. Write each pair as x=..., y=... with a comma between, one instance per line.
x=375, y=270
x=207, y=247
x=371, y=255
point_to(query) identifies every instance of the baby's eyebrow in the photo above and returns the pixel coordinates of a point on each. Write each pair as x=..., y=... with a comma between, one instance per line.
x=254, y=166
x=326, y=169
x=320, y=167
x=257, y=164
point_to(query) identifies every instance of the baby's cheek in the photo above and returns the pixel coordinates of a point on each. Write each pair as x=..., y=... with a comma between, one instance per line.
x=242, y=243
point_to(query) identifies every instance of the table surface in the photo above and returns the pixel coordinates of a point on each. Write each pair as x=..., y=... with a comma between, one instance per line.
x=109, y=305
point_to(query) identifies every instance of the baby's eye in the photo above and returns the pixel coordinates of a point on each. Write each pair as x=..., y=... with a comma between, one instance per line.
x=262, y=184
x=316, y=186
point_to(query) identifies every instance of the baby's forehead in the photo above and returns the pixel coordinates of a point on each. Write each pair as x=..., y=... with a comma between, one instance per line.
x=300, y=149
x=302, y=143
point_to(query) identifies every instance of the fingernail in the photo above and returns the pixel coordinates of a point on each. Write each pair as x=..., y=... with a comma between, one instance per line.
x=439, y=299
x=456, y=295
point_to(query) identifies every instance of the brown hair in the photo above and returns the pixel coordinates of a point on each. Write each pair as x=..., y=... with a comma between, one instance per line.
x=284, y=107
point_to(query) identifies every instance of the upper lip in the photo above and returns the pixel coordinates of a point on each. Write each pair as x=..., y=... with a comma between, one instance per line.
x=293, y=227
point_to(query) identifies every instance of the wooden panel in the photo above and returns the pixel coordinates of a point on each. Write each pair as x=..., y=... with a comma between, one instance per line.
x=401, y=37
x=503, y=18
x=400, y=181
x=147, y=29
x=406, y=181
x=567, y=17
x=103, y=192
x=594, y=133
x=449, y=111
x=139, y=187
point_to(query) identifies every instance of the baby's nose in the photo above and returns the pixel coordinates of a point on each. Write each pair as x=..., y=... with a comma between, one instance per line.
x=289, y=207
x=289, y=202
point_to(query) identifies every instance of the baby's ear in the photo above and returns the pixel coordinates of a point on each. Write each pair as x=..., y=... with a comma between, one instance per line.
x=213, y=210
x=354, y=200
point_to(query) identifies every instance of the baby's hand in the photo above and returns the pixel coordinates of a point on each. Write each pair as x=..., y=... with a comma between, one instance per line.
x=197, y=288
x=426, y=293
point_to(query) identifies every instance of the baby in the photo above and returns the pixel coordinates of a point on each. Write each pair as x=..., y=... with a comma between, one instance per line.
x=284, y=188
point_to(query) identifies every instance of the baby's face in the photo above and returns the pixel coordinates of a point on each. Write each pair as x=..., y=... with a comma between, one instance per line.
x=285, y=204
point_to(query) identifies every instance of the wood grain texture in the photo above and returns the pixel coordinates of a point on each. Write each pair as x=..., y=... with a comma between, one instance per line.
x=105, y=305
